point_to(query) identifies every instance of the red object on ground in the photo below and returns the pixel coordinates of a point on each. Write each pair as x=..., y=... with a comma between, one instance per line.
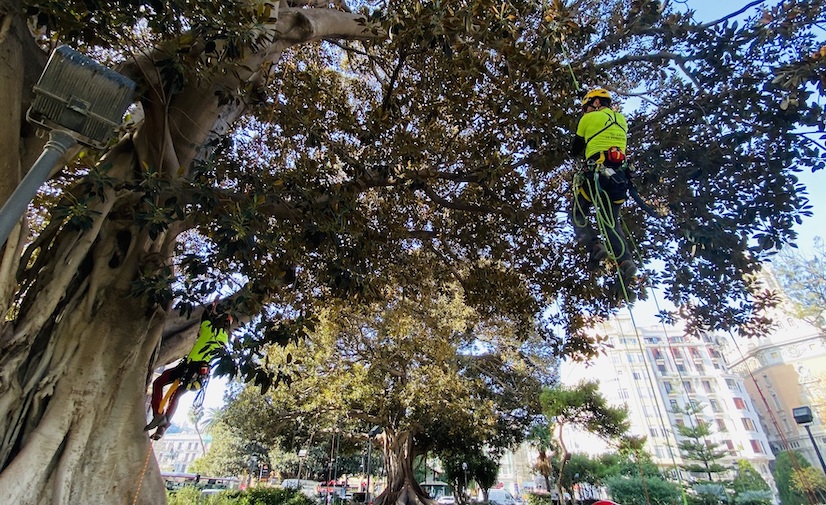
x=605, y=502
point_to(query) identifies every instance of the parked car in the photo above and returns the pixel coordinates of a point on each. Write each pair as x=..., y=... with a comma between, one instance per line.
x=501, y=497
x=446, y=500
x=308, y=487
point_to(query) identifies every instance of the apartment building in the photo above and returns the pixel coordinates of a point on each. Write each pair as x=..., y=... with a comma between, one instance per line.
x=658, y=372
x=177, y=450
x=784, y=370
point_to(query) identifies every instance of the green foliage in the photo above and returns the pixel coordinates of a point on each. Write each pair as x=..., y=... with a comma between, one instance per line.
x=462, y=467
x=191, y=495
x=753, y=497
x=584, y=407
x=635, y=491
x=230, y=454
x=785, y=464
x=809, y=480
x=274, y=496
x=540, y=499
x=360, y=366
x=803, y=279
x=748, y=479
x=707, y=494
x=187, y=495
x=696, y=445
x=580, y=468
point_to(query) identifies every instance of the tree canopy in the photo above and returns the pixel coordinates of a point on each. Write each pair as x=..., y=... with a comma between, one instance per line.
x=804, y=281
x=296, y=154
x=469, y=387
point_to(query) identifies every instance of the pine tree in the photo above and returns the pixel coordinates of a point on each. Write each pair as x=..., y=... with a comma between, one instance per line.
x=698, y=450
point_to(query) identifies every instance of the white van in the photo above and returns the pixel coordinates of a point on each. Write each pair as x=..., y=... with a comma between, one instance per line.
x=501, y=497
x=308, y=487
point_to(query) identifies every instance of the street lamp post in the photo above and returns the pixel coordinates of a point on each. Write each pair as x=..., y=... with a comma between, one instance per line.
x=803, y=417
x=77, y=100
x=372, y=433
x=302, y=455
x=467, y=484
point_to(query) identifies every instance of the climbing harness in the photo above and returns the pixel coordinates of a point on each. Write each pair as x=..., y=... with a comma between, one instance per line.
x=606, y=220
x=168, y=395
x=194, y=379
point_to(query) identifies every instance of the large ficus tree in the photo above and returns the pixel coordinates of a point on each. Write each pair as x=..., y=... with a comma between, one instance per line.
x=283, y=154
x=425, y=371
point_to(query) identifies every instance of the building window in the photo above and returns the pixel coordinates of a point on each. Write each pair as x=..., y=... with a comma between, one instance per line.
x=755, y=446
x=732, y=385
x=721, y=425
x=687, y=386
x=700, y=368
x=668, y=387
x=653, y=431
x=657, y=353
x=707, y=387
x=740, y=404
x=637, y=376
x=662, y=370
x=715, y=407
x=748, y=424
x=680, y=368
x=674, y=406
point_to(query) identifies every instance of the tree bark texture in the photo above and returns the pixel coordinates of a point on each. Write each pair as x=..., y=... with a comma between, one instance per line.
x=402, y=488
x=77, y=347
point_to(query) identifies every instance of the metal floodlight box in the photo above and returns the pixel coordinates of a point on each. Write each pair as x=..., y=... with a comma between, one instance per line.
x=802, y=415
x=78, y=94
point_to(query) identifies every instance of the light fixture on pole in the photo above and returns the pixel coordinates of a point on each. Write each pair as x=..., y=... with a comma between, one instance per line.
x=372, y=433
x=77, y=100
x=803, y=417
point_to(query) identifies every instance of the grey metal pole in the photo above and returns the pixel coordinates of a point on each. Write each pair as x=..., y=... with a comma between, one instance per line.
x=367, y=500
x=814, y=444
x=59, y=142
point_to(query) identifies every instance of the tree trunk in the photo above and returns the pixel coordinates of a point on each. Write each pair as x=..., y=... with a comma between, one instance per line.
x=77, y=346
x=402, y=488
x=562, y=461
x=77, y=432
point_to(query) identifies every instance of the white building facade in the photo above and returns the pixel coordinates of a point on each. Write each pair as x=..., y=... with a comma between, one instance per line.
x=659, y=373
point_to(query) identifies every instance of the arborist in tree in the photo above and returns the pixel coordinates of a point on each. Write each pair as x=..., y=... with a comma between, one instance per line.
x=603, y=182
x=192, y=372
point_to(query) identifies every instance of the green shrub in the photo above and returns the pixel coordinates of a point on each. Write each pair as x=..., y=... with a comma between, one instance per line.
x=191, y=495
x=273, y=496
x=754, y=497
x=635, y=491
x=707, y=494
x=540, y=499
x=187, y=495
